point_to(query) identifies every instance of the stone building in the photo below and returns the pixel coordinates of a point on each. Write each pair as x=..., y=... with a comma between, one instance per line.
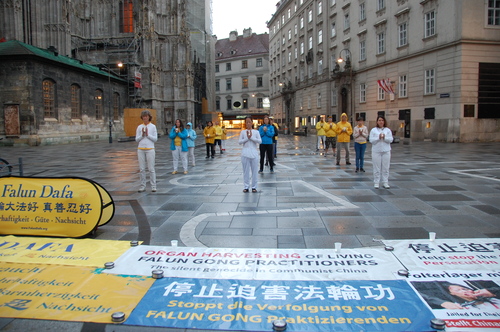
x=431, y=67
x=161, y=52
x=242, y=77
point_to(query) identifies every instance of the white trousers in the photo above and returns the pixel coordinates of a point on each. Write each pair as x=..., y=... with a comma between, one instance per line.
x=182, y=155
x=381, y=163
x=147, y=159
x=250, y=166
x=321, y=138
x=191, y=155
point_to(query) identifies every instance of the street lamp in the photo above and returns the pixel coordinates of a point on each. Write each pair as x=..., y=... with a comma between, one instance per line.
x=345, y=79
x=110, y=110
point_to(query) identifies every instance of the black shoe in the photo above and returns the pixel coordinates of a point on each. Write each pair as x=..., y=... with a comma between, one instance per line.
x=361, y=169
x=207, y=157
x=266, y=164
x=347, y=163
x=337, y=164
x=357, y=169
x=221, y=152
x=213, y=157
x=260, y=171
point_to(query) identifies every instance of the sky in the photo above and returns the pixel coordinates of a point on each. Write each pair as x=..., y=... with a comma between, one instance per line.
x=229, y=15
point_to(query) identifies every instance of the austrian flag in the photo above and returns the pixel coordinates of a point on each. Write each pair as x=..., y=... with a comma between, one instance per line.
x=386, y=85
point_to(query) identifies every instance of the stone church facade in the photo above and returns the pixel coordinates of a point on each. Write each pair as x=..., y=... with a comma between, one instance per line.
x=76, y=65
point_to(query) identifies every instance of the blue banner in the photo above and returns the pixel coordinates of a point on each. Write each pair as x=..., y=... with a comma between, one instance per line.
x=253, y=305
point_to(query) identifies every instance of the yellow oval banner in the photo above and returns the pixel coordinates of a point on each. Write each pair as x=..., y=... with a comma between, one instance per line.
x=66, y=207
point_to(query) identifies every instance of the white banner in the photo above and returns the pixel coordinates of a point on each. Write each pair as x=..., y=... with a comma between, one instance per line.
x=445, y=254
x=259, y=264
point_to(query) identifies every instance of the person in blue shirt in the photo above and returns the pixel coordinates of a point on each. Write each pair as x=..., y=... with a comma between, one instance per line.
x=190, y=142
x=266, y=131
x=179, y=146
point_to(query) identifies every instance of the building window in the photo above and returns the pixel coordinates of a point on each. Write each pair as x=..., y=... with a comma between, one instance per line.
x=494, y=12
x=380, y=4
x=320, y=36
x=334, y=97
x=318, y=100
x=228, y=66
x=258, y=62
x=310, y=43
x=76, y=105
x=362, y=50
x=308, y=102
x=320, y=66
x=289, y=34
x=216, y=68
x=402, y=34
x=289, y=12
x=244, y=64
x=362, y=12
x=302, y=23
x=244, y=83
x=333, y=30
x=245, y=103
x=228, y=84
x=229, y=104
x=116, y=106
x=430, y=24
x=217, y=85
x=217, y=104
x=289, y=57
x=381, y=94
x=259, y=81
x=362, y=93
x=333, y=2
x=310, y=16
x=49, y=99
x=295, y=29
x=320, y=8
x=260, y=103
x=301, y=47
x=429, y=81
x=283, y=40
x=126, y=16
x=347, y=23
x=98, y=104
x=296, y=53
x=403, y=85
x=381, y=43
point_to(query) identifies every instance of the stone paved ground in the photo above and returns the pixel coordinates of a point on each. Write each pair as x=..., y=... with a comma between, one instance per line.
x=448, y=188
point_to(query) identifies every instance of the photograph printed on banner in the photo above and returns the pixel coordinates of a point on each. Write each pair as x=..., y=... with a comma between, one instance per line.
x=464, y=300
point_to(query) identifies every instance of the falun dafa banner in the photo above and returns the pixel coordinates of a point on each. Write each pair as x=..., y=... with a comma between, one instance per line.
x=62, y=251
x=62, y=207
x=69, y=293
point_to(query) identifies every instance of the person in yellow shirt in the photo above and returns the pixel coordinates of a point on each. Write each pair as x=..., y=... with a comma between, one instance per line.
x=218, y=136
x=320, y=131
x=344, y=132
x=209, y=133
x=331, y=136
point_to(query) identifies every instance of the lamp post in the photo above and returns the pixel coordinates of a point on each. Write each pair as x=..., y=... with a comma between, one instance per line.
x=110, y=109
x=345, y=77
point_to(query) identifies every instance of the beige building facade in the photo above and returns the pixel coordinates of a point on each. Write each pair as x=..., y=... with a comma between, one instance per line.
x=242, y=77
x=431, y=67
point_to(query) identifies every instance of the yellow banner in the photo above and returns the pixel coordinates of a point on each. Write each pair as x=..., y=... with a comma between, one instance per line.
x=66, y=207
x=67, y=293
x=81, y=252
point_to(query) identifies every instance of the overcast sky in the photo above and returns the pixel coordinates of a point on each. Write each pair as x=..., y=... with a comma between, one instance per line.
x=229, y=15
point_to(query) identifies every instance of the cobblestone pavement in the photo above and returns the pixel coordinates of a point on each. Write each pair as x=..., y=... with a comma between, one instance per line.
x=452, y=189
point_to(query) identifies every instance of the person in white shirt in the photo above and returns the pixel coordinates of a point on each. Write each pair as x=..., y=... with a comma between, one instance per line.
x=381, y=139
x=146, y=135
x=250, y=139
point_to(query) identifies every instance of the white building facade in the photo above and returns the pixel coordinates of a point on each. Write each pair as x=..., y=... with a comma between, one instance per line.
x=431, y=67
x=242, y=77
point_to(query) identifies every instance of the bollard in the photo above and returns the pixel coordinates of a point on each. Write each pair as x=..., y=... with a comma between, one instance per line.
x=118, y=317
x=109, y=265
